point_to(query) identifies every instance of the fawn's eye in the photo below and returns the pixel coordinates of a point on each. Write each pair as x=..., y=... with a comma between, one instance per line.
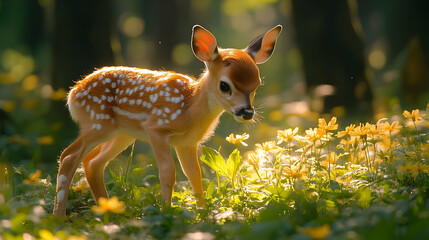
x=224, y=87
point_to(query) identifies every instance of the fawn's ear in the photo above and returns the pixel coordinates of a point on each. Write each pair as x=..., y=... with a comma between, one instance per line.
x=203, y=44
x=261, y=47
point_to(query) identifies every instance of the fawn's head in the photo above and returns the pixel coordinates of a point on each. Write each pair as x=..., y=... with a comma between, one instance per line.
x=234, y=73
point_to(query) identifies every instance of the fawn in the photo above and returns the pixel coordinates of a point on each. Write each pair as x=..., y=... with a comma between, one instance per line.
x=113, y=106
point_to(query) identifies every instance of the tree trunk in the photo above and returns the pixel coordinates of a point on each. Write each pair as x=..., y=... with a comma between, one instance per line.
x=333, y=54
x=81, y=43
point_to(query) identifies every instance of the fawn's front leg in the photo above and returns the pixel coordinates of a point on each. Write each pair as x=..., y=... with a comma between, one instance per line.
x=188, y=158
x=167, y=169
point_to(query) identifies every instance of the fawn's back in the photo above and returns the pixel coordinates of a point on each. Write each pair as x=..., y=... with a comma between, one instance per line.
x=125, y=97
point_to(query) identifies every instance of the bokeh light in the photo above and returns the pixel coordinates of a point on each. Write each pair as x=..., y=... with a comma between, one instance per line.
x=133, y=26
x=182, y=54
x=30, y=83
x=377, y=59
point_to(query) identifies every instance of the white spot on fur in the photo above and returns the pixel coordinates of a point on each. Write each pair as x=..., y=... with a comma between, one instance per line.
x=60, y=195
x=160, y=122
x=61, y=180
x=96, y=126
x=138, y=116
x=154, y=97
x=175, y=114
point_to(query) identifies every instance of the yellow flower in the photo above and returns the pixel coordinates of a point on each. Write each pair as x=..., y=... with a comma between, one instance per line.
x=392, y=128
x=109, y=205
x=269, y=146
x=81, y=187
x=387, y=143
x=74, y=237
x=330, y=126
x=33, y=178
x=45, y=140
x=237, y=139
x=312, y=134
x=345, y=142
x=318, y=232
x=414, y=115
x=46, y=235
x=252, y=158
x=372, y=129
x=296, y=172
x=346, y=131
x=330, y=159
x=360, y=131
x=18, y=139
x=286, y=135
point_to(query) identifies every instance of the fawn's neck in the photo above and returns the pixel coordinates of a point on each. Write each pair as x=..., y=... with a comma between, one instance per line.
x=205, y=101
x=203, y=112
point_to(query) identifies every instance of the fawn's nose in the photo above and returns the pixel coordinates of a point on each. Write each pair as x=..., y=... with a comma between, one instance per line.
x=247, y=113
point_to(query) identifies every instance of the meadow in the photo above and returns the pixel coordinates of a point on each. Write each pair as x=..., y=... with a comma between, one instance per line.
x=364, y=181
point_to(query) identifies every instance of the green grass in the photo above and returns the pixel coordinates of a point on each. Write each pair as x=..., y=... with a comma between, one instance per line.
x=369, y=181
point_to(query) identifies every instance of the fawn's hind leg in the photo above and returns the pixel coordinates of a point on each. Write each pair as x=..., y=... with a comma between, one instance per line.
x=95, y=162
x=69, y=162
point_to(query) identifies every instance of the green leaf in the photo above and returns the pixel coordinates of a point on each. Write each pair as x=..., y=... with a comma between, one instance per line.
x=365, y=198
x=210, y=190
x=233, y=163
x=214, y=160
